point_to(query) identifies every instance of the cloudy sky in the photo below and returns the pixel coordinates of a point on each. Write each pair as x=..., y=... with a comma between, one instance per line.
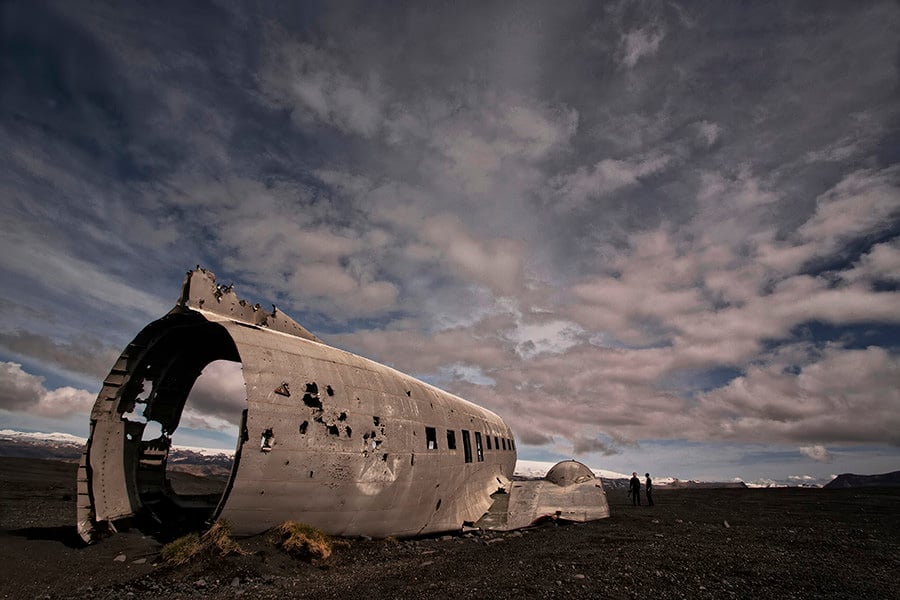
x=654, y=236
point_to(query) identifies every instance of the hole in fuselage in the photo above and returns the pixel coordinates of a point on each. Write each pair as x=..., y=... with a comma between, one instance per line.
x=186, y=429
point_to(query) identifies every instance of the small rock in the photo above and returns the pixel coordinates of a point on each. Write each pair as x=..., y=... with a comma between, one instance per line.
x=139, y=561
x=727, y=525
x=655, y=521
x=236, y=582
x=426, y=563
x=120, y=558
x=200, y=583
x=579, y=576
x=493, y=541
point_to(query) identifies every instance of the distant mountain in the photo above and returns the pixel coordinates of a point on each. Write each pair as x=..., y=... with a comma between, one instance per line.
x=45, y=446
x=849, y=480
x=677, y=484
x=200, y=461
x=203, y=462
x=618, y=483
x=537, y=469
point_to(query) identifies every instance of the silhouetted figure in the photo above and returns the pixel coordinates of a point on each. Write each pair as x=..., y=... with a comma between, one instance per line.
x=635, y=490
x=648, y=486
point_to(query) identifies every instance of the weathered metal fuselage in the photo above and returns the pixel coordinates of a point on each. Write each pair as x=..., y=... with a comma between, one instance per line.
x=328, y=438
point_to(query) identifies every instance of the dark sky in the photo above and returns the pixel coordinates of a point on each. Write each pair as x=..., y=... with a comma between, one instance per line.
x=652, y=235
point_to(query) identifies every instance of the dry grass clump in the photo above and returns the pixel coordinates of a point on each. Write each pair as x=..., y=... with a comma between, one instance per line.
x=216, y=541
x=303, y=541
x=181, y=550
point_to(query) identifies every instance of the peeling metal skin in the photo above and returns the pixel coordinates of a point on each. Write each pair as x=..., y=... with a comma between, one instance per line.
x=328, y=438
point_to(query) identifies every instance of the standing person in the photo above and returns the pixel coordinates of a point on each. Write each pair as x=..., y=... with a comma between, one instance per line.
x=635, y=489
x=648, y=485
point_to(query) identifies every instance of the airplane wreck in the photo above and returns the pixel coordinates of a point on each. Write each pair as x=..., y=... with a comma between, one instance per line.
x=327, y=438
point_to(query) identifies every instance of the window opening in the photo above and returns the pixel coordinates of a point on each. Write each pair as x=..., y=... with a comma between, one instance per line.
x=431, y=438
x=479, y=449
x=504, y=443
x=488, y=440
x=496, y=442
x=467, y=446
x=266, y=440
x=451, y=439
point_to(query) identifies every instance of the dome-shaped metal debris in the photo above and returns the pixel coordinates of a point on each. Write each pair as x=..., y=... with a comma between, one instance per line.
x=569, y=472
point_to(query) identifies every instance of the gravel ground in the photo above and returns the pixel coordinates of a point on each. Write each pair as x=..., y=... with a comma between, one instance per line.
x=774, y=543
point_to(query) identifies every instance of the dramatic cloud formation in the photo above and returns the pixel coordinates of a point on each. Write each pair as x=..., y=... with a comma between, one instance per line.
x=637, y=231
x=21, y=391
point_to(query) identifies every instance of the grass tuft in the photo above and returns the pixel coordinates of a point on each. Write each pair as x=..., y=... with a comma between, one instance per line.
x=181, y=550
x=303, y=541
x=216, y=541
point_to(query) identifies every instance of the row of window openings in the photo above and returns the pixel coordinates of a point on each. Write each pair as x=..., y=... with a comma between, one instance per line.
x=431, y=443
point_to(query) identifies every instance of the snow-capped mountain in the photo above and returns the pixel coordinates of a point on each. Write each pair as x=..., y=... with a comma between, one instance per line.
x=538, y=469
x=66, y=447
x=48, y=446
x=45, y=438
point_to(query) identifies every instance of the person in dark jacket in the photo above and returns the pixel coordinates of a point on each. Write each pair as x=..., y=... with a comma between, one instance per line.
x=635, y=490
x=648, y=486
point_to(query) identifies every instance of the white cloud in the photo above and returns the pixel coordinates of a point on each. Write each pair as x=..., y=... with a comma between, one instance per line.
x=23, y=392
x=841, y=396
x=639, y=43
x=59, y=269
x=605, y=177
x=217, y=397
x=817, y=453
x=863, y=202
x=839, y=151
x=316, y=86
x=709, y=132
x=290, y=253
x=493, y=145
x=881, y=263
x=496, y=264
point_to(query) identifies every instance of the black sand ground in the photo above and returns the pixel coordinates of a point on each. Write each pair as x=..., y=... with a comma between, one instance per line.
x=775, y=543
